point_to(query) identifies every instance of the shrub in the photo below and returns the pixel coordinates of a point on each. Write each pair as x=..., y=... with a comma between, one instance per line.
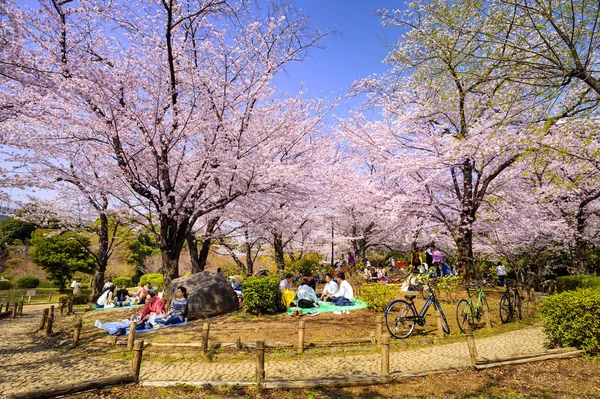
x=261, y=294
x=80, y=299
x=156, y=280
x=307, y=264
x=449, y=285
x=14, y=262
x=572, y=318
x=5, y=285
x=377, y=296
x=28, y=282
x=47, y=284
x=122, y=281
x=571, y=283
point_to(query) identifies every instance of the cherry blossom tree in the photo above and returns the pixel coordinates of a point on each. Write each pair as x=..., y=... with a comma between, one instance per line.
x=173, y=101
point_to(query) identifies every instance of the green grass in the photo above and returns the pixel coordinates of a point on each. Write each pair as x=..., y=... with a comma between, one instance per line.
x=41, y=294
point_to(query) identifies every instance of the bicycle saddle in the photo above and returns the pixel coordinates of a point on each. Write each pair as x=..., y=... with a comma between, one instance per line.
x=410, y=297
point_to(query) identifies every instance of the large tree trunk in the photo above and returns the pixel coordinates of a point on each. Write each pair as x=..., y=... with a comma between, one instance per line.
x=578, y=256
x=199, y=259
x=173, y=234
x=464, y=241
x=278, y=249
x=101, y=259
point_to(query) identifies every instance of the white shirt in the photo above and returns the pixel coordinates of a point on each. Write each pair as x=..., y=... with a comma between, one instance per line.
x=330, y=288
x=500, y=270
x=284, y=284
x=345, y=290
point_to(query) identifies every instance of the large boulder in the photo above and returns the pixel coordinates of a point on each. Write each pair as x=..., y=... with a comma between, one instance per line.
x=209, y=294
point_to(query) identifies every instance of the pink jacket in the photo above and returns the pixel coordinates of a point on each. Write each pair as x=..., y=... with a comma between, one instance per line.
x=155, y=305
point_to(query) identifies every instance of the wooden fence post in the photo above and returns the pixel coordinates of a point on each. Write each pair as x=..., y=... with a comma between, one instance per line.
x=15, y=310
x=52, y=311
x=471, y=344
x=440, y=324
x=238, y=343
x=488, y=320
x=44, y=318
x=21, y=309
x=113, y=341
x=77, y=332
x=378, y=328
x=385, y=354
x=301, y=331
x=61, y=308
x=205, y=333
x=50, y=297
x=136, y=362
x=7, y=305
x=260, y=362
x=131, y=339
x=49, y=325
x=70, y=306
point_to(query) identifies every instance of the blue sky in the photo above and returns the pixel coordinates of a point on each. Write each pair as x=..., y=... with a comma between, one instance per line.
x=355, y=53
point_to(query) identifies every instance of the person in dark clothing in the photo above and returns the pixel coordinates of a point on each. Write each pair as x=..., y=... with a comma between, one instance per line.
x=312, y=283
x=122, y=297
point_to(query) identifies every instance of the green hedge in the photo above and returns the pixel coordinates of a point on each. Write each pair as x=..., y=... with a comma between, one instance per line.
x=377, y=296
x=156, y=280
x=122, y=281
x=572, y=318
x=261, y=294
x=571, y=283
x=28, y=282
x=5, y=285
x=80, y=299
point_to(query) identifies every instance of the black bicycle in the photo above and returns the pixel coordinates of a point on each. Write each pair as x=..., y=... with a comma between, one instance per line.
x=401, y=316
x=510, y=303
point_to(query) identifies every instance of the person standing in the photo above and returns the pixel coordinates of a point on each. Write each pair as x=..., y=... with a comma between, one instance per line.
x=77, y=287
x=351, y=262
x=501, y=273
x=429, y=254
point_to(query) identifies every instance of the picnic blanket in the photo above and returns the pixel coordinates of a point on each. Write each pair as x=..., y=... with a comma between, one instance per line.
x=117, y=307
x=113, y=327
x=328, y=307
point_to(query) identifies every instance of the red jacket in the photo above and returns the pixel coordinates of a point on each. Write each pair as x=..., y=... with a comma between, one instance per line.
x=155, y=305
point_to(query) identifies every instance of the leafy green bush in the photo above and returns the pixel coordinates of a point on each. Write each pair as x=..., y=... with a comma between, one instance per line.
x=261, y=294
x=571, y=283
x=48, y=284
x=122, y=281
x=28, y=282
x=156, y=280
x=572, y=318
x=377, y=296
x=5, y=285
x=449, y=285
x=307, y=264
x=80, y=299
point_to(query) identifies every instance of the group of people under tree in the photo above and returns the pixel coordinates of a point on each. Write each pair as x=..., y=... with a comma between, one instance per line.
x=336, y=290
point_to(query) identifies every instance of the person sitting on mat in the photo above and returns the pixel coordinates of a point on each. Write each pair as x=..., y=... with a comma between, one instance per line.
x=345, y=293
x=154, y=307
x=122, y=297
x=331, y=288
x=178, y=308
x=306, y=296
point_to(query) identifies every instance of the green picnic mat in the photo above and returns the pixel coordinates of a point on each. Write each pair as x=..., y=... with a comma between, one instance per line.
x=328, y=307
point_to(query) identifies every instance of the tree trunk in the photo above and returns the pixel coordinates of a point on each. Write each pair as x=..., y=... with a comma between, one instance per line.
x=101, y=258
x=173, y=234
x=278, y=249
x=192, y=243
x=249, y=260
x=464, y=241
x=580, y=244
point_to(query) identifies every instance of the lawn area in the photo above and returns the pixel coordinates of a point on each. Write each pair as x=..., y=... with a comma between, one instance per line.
x=41, y=294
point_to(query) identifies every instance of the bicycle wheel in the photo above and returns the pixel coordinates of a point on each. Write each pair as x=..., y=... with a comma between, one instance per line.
x=400, y=318
x=505, y=309
x=517, y=304
x=464, y=315
x=445, y=325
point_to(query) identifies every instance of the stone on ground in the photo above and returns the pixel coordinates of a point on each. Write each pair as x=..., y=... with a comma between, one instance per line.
x=209, y=294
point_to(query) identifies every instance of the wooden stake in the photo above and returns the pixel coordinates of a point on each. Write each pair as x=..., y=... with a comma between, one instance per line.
x=301, y=331
x=15, y=310
x=471, y=345
x=205, y=333
x=378, y=328
x=488, y=320
x=136, y=362
x=50, y=297
x=260, y=362
x=21, y=309
x=61, y=308
x=385, y=354
x=49, y=325
x=77, y=332
x=113, y=341
x=52, y=311
x=440, y=324
x=44, y=318
x=238, y=343
x=131, y=339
